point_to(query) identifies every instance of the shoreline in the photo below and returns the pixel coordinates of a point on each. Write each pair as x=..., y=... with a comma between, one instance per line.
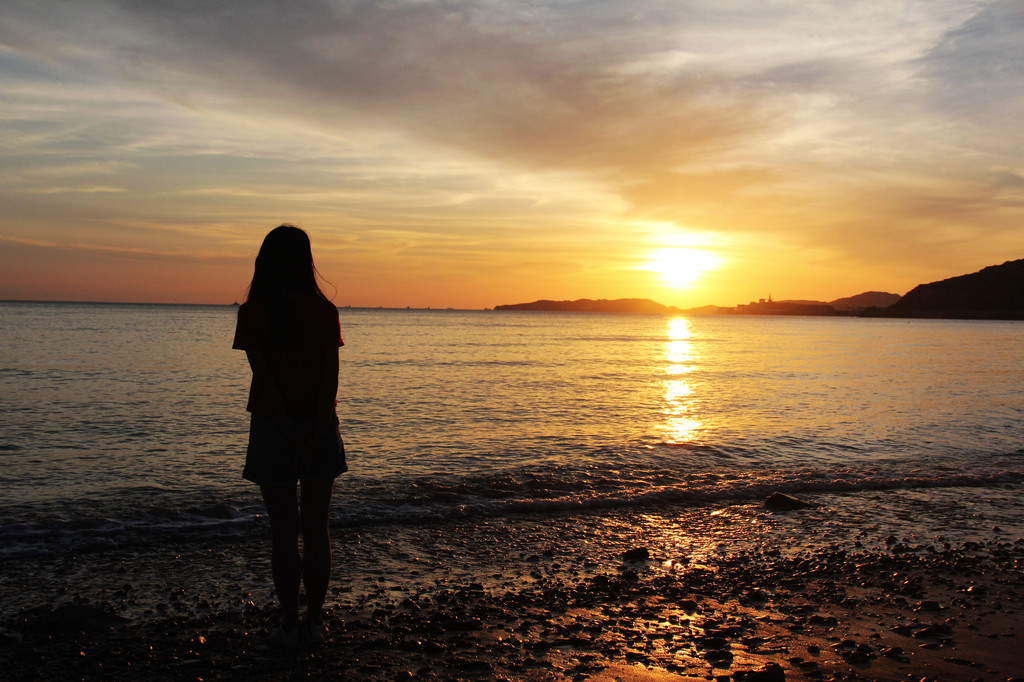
x=509, y=600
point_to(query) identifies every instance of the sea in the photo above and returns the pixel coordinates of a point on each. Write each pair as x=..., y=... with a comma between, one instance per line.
x=125, y=424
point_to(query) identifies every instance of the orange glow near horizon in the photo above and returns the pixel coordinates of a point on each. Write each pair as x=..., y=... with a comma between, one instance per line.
x=701, y=162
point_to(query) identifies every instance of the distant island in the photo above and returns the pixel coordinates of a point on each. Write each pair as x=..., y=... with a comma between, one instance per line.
x=586, y=305
x=845, y=306
x=996, y=292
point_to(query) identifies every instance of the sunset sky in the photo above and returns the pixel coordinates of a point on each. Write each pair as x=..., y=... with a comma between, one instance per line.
x=469, y=154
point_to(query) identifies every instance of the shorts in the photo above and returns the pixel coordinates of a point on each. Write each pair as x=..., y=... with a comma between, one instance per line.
x=270, y=460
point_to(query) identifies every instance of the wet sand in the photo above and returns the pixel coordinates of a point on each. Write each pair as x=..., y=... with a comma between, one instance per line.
x=486, y=601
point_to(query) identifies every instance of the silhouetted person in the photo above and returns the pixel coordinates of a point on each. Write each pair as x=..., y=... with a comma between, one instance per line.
x=290, y=334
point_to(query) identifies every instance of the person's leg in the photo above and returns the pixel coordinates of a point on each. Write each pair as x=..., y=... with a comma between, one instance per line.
x=316, y=543
x=285, y=563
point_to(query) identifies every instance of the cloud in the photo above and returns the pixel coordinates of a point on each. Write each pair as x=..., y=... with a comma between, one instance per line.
x=603, y=86
x=975, y=70
x=831, y=126
x=558, y=86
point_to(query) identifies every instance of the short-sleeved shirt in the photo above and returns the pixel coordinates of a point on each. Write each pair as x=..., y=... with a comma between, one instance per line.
x=296, y=366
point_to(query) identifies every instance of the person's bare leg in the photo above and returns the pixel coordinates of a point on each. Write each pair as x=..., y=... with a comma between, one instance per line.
x=316, y=544
x=285, y=562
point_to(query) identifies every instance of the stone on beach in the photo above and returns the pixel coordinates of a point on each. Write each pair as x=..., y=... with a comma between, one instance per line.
x=82, y=617
x=782, y=502
x=637, y=554
x=772, y=672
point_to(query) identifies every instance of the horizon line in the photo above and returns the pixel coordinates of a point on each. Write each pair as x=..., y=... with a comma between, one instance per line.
x=225, y=305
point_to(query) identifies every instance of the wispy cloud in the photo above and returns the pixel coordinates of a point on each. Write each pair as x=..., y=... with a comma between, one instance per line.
x=829, y=126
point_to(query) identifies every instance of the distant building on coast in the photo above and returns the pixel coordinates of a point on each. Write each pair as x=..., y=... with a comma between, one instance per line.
x=770, y=307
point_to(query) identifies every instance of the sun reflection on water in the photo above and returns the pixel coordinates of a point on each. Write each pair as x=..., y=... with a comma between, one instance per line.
x=681, y=406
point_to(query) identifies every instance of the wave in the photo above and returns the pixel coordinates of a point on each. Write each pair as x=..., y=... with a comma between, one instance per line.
x=437, y=499
x=62, y=536
x=494, y=498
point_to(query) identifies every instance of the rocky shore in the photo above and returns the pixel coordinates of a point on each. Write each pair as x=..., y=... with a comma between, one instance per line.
x=435, y=610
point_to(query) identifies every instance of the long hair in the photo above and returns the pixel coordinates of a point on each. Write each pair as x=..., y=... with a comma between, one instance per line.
x=284, y=268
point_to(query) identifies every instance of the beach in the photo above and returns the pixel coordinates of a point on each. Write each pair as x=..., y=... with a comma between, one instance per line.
x=534, y=599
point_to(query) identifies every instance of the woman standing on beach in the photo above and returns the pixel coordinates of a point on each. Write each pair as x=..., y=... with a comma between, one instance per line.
x=290, y=333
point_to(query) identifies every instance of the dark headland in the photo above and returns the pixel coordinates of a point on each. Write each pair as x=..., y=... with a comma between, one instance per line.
x=994, y=293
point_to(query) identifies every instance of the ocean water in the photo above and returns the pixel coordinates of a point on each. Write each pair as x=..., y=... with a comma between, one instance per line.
x=125, y=424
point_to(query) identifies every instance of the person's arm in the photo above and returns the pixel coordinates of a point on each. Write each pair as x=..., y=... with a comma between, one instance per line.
x=323, y=421
x=271, y=394
x=328, y=392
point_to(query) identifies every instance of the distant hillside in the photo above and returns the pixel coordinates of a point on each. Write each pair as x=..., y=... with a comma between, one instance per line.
x=869, y=299
x=996, y=292
x=586, y=305
x=706, y=310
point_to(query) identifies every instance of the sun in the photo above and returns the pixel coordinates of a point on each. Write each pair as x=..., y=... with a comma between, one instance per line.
x=680, y=267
